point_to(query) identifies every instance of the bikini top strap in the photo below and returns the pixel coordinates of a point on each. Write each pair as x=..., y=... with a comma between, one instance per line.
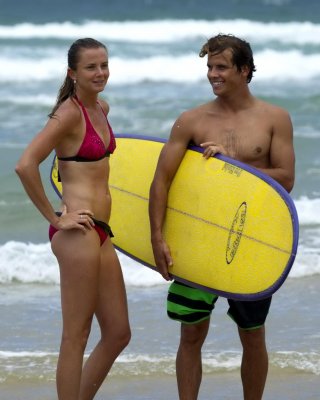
x=86, y=116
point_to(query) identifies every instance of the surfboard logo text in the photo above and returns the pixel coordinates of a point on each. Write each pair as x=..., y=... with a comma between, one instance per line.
x=236, y=232
x=232, y=169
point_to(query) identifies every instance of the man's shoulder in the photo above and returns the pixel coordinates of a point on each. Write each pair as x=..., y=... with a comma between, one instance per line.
x=273, y=114
x=189, y=124
x=195, y=112
x=271, y=107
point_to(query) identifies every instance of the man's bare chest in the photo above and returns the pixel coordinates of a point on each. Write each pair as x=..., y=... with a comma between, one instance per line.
x=242, y=141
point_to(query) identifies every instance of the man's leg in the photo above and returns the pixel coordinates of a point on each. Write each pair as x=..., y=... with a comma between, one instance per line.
x=192, y=307
x=188, y=363
x=254, y=367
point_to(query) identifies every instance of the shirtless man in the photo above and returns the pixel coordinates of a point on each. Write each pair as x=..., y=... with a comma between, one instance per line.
x=241, y=126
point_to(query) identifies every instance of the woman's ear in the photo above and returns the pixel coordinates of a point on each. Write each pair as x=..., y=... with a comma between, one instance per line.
x=71, y=74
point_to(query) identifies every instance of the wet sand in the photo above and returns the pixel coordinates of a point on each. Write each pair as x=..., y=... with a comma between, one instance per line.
x=218, y=386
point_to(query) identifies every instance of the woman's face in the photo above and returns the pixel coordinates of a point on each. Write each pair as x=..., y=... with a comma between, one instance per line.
x=92, y=71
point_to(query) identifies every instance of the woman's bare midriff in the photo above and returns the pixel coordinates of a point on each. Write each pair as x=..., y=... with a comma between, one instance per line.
x=85, y=186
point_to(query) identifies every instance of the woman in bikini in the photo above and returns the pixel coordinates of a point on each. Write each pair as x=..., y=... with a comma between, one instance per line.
x=90, y=274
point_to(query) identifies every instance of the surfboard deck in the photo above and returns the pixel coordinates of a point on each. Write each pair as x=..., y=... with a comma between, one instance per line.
x=231, y=229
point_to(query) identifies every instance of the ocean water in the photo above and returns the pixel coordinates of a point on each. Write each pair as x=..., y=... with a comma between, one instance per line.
x=155, y=75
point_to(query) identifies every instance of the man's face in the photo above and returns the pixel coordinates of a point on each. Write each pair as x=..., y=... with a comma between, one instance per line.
x=222, y=74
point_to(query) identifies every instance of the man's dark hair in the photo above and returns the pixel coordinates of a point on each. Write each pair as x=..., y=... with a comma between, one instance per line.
x=241, y=50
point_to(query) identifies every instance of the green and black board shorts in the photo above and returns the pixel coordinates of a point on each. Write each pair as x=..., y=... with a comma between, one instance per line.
x=191, y=305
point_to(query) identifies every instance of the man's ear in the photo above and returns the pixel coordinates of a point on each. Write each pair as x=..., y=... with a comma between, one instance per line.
x=245, y=71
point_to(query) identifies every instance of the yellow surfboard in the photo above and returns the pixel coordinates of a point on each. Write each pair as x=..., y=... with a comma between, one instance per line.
x=231, y=229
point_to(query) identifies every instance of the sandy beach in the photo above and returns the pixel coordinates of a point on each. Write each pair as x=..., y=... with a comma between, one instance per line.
x=296, y=386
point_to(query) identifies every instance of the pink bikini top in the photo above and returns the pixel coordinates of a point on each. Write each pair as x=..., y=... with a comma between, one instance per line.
x=92, y=148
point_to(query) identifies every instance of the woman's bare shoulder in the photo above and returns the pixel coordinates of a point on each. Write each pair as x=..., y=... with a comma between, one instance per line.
x=68, y=110
x=67, y=117
x=104, y=105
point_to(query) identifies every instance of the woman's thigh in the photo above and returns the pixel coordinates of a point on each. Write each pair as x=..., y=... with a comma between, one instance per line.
x=78, y=255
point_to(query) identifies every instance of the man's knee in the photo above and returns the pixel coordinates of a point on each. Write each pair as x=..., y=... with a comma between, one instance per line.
x=194, y=334
x=252, y=338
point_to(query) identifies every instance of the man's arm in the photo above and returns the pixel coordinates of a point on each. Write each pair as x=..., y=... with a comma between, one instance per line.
x=168, y=164
x=282, y=157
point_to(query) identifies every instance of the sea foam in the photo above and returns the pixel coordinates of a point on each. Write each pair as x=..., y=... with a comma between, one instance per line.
x=163, y=68
x=170, y=30
x=283, y=51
